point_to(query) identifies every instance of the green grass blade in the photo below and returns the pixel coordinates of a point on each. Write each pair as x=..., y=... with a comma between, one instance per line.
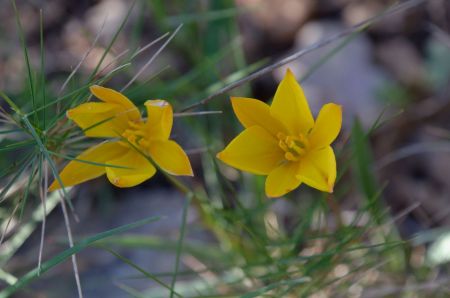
x=10, y=102
x=47, y=156
x=92, y=163
x=29, y=160
x=24, y=199
x=7, y=277
x=33, y=274
x=113, y=40
x=260, y=292
x=180, y=242
x=141, y=270
x=209, y=16
x=15, y=242
x=17, y=145
x=42, y=68
x=363, y=165
x=197, y=249
x=130, y=291
x=4, y=132
x=27, y=58
x=73, y=93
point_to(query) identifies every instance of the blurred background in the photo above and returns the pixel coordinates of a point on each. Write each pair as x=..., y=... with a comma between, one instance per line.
x=392, y=79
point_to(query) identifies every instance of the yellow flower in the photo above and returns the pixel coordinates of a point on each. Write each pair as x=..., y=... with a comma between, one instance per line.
x=284, y=142
x=132, y=140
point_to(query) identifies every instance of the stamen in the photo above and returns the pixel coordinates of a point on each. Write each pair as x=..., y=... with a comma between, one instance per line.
x=283, y=145
x=293, y=146
x=136, y=134
x=290, y=156
x=281, y=136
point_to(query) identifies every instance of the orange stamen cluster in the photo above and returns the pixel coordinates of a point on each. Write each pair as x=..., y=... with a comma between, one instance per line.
x=293, y=146
x=137, y=134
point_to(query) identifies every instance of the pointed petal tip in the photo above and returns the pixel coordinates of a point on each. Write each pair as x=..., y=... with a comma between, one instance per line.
x=330, y=188
x=219, y=155
x=187, y=171
x=190, y=173
x=290, y=74
x=92, y=88
x=289, y=71
x=52, y=187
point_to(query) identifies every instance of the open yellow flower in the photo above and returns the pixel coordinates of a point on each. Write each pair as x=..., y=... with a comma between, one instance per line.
x=284, y=142
x=125, y=157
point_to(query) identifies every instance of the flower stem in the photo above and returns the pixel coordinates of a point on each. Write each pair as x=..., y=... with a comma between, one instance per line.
x=336, y=209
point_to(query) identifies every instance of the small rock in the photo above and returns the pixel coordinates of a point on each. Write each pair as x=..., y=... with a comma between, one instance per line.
x=280, y=19
x=402, y=59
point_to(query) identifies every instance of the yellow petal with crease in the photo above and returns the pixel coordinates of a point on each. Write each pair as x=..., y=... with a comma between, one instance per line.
x=327, y=126
x=112, y=96
x=254, y=150
x=138, y=169
x=318, y=169
x=102, y=120
x=290, y=106
x=159, y=119
x=170, y=157
x=255, y=112
x=76, y=172
x=282, y=180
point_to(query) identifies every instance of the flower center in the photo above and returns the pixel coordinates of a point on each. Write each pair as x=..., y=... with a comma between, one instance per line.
x=136, y=134
x=294, y=146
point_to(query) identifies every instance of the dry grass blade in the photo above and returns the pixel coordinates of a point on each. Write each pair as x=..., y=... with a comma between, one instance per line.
x=433, y=285
x=74, y=71
x=440, y=35
x=5, y=230
x=43, y=194
x=411, y=150
x=74, y=256
x=201, y=113
x=152, y=58
x=359, y=27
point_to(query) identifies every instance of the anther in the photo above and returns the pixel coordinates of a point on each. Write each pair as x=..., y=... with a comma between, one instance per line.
x=290, y=156
x=283, y=145
x=281, y=136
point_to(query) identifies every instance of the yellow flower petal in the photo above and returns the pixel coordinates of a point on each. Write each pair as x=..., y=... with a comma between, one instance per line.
x=254, y=150
x=138, y=169
x=327, y=126
x=282, y=180
x=170, y=157
x=76, y=172
x=290, y=106
x=112, y=96
x=255, y=112
x=318, y=169
x=159, y=119
x=103, y=120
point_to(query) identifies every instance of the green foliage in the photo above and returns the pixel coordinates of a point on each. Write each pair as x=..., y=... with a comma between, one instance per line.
x=311, y=247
